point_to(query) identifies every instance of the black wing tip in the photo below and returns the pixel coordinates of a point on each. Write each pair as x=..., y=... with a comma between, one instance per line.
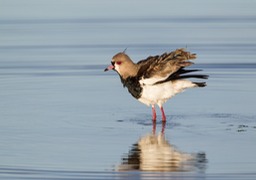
x=199, y=76
x=202, y=76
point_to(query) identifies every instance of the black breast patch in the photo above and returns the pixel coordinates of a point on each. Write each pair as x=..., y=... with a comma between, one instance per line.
x=133, y=86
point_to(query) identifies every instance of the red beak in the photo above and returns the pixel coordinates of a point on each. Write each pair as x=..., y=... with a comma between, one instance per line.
x=110, y=67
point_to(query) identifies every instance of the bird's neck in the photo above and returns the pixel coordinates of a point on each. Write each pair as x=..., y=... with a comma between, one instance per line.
x=130, y=70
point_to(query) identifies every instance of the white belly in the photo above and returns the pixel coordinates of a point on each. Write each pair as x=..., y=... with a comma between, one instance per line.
x=160, y=93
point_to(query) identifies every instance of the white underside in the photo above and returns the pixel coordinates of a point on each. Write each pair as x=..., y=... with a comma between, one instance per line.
x=160, y=93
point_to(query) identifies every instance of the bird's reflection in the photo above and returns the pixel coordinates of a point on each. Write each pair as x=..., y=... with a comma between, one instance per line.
x=153, y=152
x=154, y=127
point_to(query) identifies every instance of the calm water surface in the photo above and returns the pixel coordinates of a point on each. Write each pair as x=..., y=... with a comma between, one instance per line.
x=62, y=117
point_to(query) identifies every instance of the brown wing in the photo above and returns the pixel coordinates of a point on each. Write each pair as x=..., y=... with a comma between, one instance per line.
x=159, y=68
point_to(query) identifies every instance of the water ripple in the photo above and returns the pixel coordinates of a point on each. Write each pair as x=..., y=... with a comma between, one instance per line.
x=13, y=173
x=164, y=19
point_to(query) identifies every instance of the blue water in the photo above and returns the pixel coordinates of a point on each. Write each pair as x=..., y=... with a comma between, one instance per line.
x=62, y=117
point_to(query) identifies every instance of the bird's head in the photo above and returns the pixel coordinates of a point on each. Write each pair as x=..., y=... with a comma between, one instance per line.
x=123, y=65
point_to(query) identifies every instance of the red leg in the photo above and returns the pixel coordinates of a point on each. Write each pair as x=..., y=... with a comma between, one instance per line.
x=153, y=113
x=163, y=114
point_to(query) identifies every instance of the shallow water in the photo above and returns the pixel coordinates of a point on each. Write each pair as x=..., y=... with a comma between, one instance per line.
x=62, y=117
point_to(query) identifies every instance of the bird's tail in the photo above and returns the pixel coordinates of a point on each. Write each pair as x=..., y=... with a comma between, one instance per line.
x=200, y=84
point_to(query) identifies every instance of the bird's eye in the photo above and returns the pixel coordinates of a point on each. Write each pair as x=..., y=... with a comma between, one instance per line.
x=118, y=62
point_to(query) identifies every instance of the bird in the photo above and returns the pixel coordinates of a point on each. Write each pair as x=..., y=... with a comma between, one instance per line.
x=154, y=80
